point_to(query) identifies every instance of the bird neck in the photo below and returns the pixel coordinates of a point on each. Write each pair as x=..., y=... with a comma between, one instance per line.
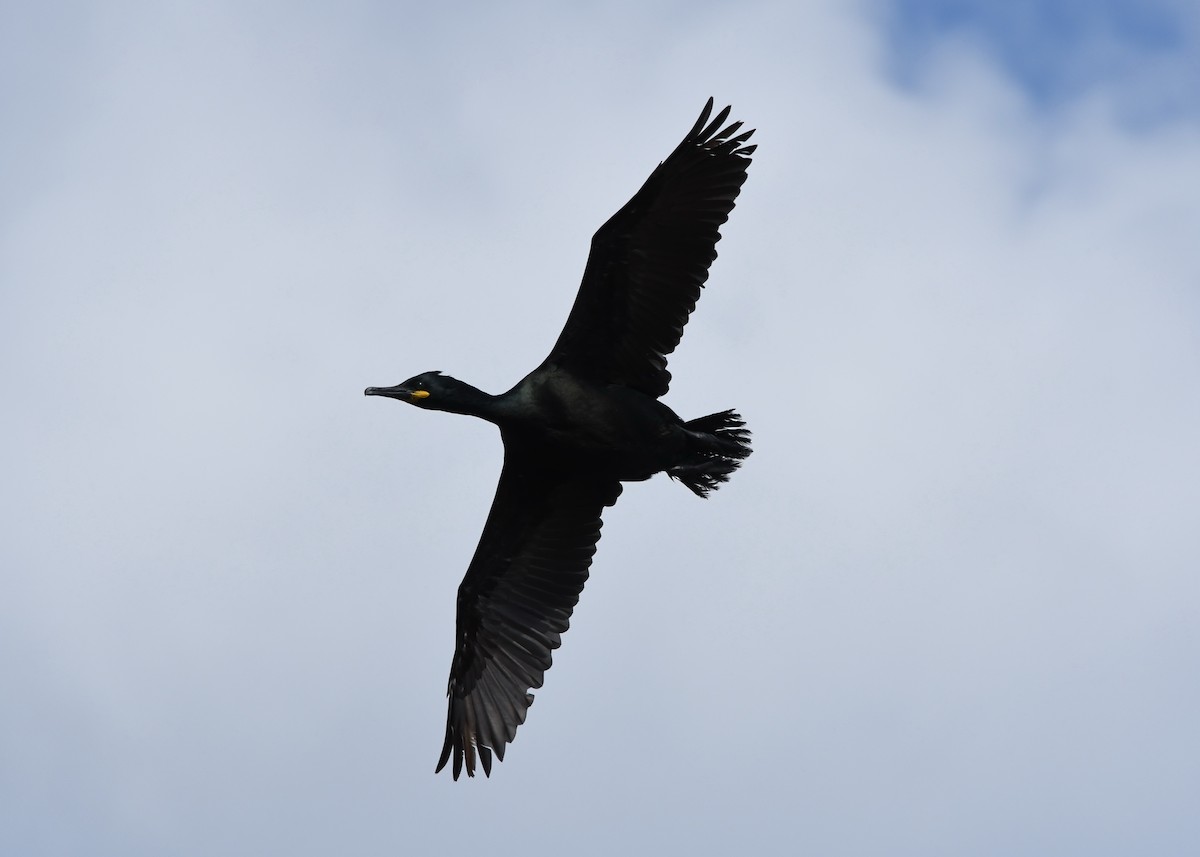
x=473, y=402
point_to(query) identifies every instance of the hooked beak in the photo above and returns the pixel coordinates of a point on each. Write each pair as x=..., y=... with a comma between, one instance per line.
x=404, y=394
x=398, y=392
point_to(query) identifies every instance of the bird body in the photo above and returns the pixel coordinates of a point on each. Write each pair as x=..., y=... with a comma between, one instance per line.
x=605, y=428
x=578, y=426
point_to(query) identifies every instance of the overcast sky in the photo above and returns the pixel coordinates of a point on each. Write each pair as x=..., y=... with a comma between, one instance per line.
x=950, y=606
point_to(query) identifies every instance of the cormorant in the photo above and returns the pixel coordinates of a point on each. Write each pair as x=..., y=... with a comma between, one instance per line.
x=576, y=427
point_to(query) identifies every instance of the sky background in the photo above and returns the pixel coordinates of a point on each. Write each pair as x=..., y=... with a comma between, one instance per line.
x=950, y=606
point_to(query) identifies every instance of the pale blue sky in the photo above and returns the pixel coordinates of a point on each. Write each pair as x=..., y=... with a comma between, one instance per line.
x=948, y=607
x=1058, y=51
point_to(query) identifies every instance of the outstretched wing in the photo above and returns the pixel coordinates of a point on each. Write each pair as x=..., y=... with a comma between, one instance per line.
x=650, y=260
x=516, y=601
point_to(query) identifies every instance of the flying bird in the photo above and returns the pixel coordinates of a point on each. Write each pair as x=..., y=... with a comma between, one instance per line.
x=580, y=424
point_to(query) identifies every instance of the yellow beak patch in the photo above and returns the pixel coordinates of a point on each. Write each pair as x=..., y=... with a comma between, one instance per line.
x=420, y=394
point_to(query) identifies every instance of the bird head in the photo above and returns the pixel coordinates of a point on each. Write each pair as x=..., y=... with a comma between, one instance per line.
x=427, y=390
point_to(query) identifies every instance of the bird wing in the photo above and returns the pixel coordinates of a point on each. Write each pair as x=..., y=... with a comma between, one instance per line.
x=650, y=260
x=516, y=600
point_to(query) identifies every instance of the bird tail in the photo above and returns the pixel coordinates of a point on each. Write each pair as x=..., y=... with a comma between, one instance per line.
x=719, y=442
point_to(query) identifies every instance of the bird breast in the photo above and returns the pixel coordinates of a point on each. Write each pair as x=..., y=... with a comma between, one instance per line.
x=609, y=422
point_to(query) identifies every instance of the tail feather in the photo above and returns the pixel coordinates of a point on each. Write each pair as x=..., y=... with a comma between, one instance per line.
x=721, y=441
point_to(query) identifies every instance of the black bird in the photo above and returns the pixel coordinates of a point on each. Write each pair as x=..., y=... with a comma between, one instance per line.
x=576, y=427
